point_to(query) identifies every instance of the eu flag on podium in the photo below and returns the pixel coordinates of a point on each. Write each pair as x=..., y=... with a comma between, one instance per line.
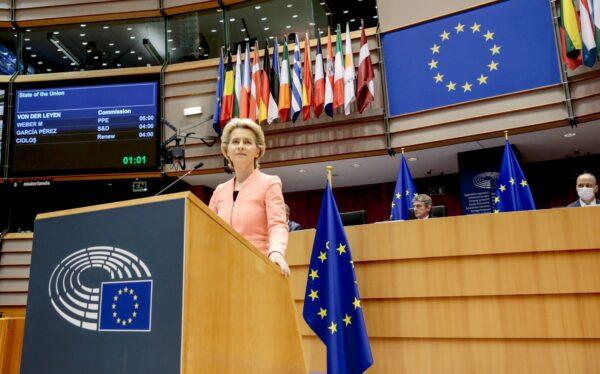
x=332, y=305
x=404, y=192
x=513, y=192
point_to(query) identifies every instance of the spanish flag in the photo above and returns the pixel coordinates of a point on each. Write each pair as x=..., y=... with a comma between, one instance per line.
x=227, y=100
x=307, y=81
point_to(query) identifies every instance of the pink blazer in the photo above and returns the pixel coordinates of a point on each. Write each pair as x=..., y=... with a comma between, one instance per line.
x=258, y=212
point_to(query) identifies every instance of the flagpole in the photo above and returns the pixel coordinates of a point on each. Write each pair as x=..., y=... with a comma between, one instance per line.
x=330, y=175
x=402, y=150
x=505, y=134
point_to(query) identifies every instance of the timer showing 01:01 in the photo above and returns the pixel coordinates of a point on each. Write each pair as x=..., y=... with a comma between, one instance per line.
x=134, y=160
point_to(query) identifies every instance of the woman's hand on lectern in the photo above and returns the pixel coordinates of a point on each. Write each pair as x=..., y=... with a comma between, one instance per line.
x=279, y=260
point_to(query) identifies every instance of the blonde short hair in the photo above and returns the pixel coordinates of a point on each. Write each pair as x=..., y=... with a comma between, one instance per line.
x=244, y=123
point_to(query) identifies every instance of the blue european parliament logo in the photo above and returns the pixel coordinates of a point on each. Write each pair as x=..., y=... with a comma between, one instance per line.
x=126, y=306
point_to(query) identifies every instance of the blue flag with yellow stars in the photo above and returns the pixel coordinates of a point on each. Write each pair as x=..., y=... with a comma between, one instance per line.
x=404, y=192
x=513, y=191
x=496, y=49
x=332, y=305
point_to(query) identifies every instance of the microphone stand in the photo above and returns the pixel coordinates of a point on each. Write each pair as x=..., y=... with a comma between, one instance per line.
x=180, y=178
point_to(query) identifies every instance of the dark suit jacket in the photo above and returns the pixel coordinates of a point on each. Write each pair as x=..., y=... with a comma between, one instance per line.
x=294, y=226
x=576, y=204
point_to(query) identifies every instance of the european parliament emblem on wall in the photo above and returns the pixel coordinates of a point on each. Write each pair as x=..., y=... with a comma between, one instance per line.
x=492, y=50
x=122, y=304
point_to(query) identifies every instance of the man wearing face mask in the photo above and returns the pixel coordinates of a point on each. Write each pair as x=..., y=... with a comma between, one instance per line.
x=586, y=189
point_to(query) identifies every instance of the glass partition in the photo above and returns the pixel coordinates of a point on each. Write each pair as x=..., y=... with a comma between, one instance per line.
x=94, y=46
x=195, y=36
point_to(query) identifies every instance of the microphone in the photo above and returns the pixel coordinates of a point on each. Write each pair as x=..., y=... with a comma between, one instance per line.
x=197, y=166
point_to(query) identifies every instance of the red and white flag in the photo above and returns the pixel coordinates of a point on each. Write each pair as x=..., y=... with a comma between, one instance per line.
x=329, y=73
x=366, y=85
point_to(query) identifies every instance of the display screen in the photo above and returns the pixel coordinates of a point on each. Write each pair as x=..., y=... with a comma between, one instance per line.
x=85, y=128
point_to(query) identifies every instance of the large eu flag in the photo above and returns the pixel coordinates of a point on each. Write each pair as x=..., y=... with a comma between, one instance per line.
x=404, y=192
x=332, y=306
x=513, y=191
x=504, y=47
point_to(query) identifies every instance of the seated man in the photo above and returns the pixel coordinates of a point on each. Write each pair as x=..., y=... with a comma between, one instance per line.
x=422, y=206
x=292, y=226
x=587, y=187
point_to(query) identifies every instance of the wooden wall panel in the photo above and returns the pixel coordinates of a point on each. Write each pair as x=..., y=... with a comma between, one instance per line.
x=15, y=259
x=490, y=293
x=11, y=343
x=393, y=14
x=459, y=356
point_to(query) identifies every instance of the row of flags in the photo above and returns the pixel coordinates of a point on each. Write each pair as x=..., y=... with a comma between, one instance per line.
x=280, y=91
x=512, y=192
x=580, y=33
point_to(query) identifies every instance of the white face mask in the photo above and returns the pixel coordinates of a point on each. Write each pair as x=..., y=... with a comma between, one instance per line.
x=585, y=193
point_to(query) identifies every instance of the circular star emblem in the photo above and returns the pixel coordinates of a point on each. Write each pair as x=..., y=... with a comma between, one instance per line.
x=446, y=41
x=125, y=306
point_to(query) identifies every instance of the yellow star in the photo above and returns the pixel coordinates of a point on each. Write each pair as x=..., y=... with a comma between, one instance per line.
x=496, y=211
x=432, y=64
x=356, y=303
x=496, y=200
x=322, y=313
x=451, y=86
x=467, y=86
x=475, y=27
x=332, y=328
x=502, y=188
x=347, y=320
x=327, y=245
x=439, y=78
x=512, y=181
x=459, y=28
x=341, y=249
x=407, y=192
x=482, y=79
x=493, y=65
x=445, y=35
x=523, y=183
x=398, y=196
x=313, y=295
x=322, y=256
x=488, y=36
x=393, y=205
x=314, y=274
x=495, y=49
x=435, y=49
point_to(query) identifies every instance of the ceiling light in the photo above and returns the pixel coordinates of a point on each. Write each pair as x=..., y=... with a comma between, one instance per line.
x=246, y=39
x=311, y=24
x=353, y=19
x=168, y=30
x=34, y=56
x=174, y=48
x=5, y=53
x=105, y=27
x=270, y=37
x=111, y=44
x=263, y=19
x=328, y=14
x=355, y=165
x=96, y=57
x=132, y=37
x=117, y=51
x=170, y=40
x=243, y=30
x=27, y=39
x=140, y=58
x=132, y=52
x=320, y=32
x=345, y=11
x=322, y=3
x=73, y=64
x=301, y=171
x=375, y=16
x=82, y=35
x=48, y=70
x=28, y=48
x=83, y=43
x=213, y=30
x=83, y=25
x=56, y=32
x=412, y=159
x=28, y=30
x=295, y=16
x=288, y=27
x=221, y=21
x=232, y=20
x=219, y=10
x=40, y=62
x=266, y=29
x=257, y=7
x=118, y=65
x=570, y=134
x=289, y=5
x=104, y=64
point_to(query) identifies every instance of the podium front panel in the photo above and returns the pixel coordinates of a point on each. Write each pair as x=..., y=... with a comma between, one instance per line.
x=105, y=291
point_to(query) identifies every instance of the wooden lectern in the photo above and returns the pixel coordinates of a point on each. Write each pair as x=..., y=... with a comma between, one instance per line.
x=218, y=305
